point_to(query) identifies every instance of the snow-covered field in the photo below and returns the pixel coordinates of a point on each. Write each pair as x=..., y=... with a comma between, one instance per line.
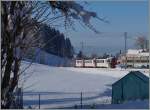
x=62, y=86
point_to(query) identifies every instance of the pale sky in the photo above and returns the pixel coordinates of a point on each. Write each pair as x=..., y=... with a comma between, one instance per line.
x=131, y=17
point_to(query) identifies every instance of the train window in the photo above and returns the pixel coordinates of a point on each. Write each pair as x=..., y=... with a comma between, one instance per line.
x=79, y=61
x=88, y=61
x=108, y=61
x=99, y=61
x=129, y=61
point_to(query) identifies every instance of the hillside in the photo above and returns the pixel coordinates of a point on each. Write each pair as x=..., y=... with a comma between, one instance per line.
x=42, y=57
x=61, y=86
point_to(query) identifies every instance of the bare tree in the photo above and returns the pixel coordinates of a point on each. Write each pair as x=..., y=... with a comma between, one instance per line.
x=142, y=43
x=19, y=32
x=20, y=27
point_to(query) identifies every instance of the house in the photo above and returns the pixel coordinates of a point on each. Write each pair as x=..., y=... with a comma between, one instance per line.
x=135, y=58
x=135, y=85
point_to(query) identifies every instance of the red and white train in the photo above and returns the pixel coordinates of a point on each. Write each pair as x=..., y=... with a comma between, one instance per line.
x=94, y=63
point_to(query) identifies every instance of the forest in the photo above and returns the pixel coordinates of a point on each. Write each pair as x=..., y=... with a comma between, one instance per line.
x=56, y=42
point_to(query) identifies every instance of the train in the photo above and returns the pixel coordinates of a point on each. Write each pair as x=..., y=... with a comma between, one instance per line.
x=93, y=63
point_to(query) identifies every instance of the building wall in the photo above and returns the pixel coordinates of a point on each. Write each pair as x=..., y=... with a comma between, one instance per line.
x=134, y=60
x=129, y=88
x=117, y=93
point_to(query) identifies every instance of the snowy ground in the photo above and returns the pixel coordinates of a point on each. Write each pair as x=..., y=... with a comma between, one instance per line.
x=62, y=86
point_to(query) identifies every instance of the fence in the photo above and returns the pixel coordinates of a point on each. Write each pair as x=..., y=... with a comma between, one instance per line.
x=38, y=100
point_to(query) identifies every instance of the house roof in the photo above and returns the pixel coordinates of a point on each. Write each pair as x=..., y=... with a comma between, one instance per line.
x=141, y=75
x=137, y=74
x=138, y=52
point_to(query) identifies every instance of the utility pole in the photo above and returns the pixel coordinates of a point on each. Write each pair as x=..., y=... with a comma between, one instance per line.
x=125, y=48
x=39, y=102
x=81, y=100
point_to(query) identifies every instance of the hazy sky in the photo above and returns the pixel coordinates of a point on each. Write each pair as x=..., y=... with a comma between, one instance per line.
x=131, y=17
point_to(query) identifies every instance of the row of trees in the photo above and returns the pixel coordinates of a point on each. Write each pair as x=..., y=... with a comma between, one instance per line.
x=56, y=43
x=94, y=55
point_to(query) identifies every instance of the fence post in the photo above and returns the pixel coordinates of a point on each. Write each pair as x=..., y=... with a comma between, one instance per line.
x=21, y=98
x=39, y=101
x=81, y=100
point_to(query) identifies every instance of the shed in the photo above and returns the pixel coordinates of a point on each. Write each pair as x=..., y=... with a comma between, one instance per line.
x=135, y=85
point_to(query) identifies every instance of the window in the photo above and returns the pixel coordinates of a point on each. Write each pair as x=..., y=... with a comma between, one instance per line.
x=88, y=61
x=79, y=61
x=137, y=61
x=99, y=61
x=108, y=61
x=144, y=61
x=129, y=61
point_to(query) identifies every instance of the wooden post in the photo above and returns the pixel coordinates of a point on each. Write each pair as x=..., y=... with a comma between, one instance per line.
x=21, y=98
x=39, y=101
x=81, y=100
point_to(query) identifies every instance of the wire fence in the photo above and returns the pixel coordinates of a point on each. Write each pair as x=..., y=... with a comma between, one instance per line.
x=43, y=100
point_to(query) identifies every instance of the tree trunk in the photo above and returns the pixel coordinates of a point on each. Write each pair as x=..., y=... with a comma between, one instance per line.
x=14, y=81
x=6, y=78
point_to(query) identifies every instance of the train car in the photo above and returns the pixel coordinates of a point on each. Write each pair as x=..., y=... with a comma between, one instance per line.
x=89, y=63
x=103, y=63
x=93, y=63
x=79, y=63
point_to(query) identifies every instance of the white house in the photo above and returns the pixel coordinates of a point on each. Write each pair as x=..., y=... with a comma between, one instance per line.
x=135, y=58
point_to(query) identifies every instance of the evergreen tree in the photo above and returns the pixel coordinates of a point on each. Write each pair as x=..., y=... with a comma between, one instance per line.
x=56, y=43
x=80, y=54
